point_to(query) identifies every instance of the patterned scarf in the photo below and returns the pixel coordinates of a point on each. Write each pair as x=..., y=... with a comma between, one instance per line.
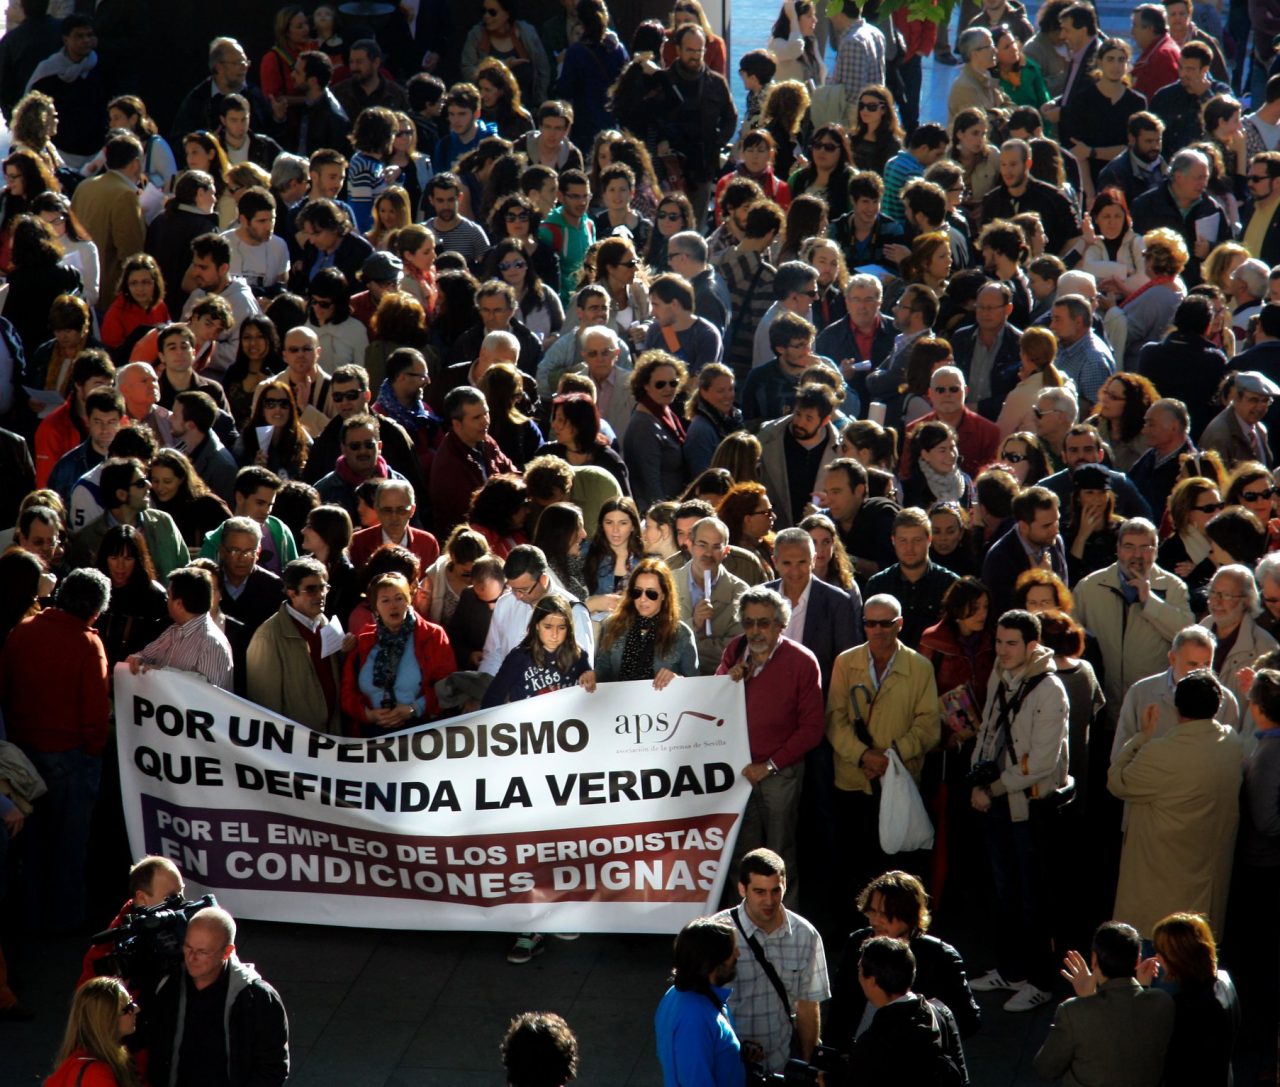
x=412, y=419
x=391, y=646
x=637, y=650
x=945, y=488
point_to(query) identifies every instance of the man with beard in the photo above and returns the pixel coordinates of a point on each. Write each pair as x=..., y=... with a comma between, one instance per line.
x=793, y=450
x=454, y=233
x=361, y=460
x=864, y=523
x=915, y=581
x=1019, y=192
x=696, y=1038
x=126, y=499
x=783, y=688
x=1143, y=167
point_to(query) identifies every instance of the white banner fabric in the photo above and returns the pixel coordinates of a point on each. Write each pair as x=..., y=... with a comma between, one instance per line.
x=570, y=812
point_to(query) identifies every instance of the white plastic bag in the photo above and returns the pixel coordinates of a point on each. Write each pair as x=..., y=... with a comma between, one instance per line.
x=904, y=824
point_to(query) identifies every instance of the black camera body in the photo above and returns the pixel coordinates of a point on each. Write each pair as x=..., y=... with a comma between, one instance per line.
x=983, y=774
x=148, y=942
x=825, y=1060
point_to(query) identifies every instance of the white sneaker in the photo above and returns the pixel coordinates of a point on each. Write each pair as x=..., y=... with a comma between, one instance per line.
x=1026, y=998
x=993, y=981
x=566, y=935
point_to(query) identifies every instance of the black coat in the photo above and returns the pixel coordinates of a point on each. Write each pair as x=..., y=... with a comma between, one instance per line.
x=1206, y=1022
x=1004, y=370
x=466, y=348
x=906, y=1043
x=17, y=475
x=199, y=110
x=1008, y=559
x=397, y=450
x=940, y=975
x=1186, y=368
x=260, y=599
x=1119, y=174
x=169, y=240
x=327, y=125
x=31, y=294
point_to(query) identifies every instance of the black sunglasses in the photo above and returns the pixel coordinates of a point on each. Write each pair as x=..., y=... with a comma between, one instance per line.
x=275, y=401
x=873, y=623
x=1257, y=496
x=1014, y=458
x=648, y=594
x=1212, y=507
x=825, y=146
x=665, y=384
x=947, y=388
x=342, y=398
x=871, y=107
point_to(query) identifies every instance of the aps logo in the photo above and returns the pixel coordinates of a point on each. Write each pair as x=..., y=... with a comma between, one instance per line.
x=653, y=728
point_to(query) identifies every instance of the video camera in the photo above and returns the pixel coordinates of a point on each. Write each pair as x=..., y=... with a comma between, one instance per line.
x=148, y=942
x=825, y=1060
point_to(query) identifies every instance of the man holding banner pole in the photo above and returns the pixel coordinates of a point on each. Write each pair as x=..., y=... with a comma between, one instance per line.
x=784, y=722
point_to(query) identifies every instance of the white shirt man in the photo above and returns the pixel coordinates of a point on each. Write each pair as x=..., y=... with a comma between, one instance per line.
x=259, y=256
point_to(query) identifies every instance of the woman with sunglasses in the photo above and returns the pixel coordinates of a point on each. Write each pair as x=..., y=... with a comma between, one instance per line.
x=515, y=217
x=502, y=34
x=827, y=173
x=644, y=637
x=794, y=46
x=289, y=443
x=1193, y=504
x=92, y=1053
x=619, y=271
x=653, y=442
x=538, y=306
x=673, y=215
x=343, y=338
x=1251, y=486
x=875, y=133
x=1022, y=452
x=1122, y=407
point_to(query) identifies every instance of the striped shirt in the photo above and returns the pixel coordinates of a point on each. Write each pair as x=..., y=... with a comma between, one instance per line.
x=795, y=950
x=195, y=646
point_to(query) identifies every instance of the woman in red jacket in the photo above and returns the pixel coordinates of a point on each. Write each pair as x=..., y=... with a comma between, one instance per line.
x=388, y=683
x=92, y=1054
x=139, y=303
x=961, y=648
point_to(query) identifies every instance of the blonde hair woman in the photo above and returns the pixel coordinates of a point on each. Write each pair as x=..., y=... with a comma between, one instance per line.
x=92, y=1053
x=1038, y=348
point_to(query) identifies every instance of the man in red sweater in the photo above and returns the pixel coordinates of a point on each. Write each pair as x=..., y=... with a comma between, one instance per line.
x=466, y=458
x=1157, y=64
x=53, y=691
x=395, y=506
x=977, y=438
x=785, y=720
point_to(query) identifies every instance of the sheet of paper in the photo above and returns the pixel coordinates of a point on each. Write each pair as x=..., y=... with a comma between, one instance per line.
x=1207, y=228
x=264, y=436
x=706, y=592
x=44, y=400
x=331, y=635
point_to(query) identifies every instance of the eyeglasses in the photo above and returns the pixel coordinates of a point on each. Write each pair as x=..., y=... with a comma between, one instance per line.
x=1258, y=496
x=813, y=292
x=1214, y=594
x=239, y=552
x=342, y=398
x=873, y=623
x=300, y=349
x=824, y=145
x=402, y=511
x=665, y=384
x=1040, y=413
x=761, y=513
x=1254, y=179
x=405, y=132
x=275, y=401
x=1014, y=458
x=671, y=216
x=1212, y=507
x=321, y=303
x=509, y=265
x=489, y=11
x=871, y=107
x=517, y=217
x=757, y=624
x=648, y=594
x=523, y=593
x=362, y=445
x=948, y=388
x=144, y=484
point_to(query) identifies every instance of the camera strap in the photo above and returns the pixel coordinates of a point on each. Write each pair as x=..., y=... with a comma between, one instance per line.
x=1008, y=710
x=766, y=966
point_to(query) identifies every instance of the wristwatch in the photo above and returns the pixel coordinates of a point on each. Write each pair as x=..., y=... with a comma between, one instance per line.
x=772, y=768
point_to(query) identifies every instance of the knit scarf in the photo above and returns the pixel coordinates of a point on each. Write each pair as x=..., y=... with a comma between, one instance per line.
x=637, y=650
x=945, y=488
x=391, y=646
x=412, y=419
x=348, y=475
x=664, y=415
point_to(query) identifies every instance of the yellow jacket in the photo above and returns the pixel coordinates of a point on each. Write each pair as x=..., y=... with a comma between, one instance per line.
x=905, y=713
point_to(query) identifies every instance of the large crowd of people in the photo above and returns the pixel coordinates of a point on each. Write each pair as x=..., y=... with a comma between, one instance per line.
x=525, y=356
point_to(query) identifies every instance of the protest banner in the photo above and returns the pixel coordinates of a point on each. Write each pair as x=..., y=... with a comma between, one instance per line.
x=612, y=811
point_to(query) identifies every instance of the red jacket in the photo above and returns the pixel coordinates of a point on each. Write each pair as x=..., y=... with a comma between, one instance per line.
x=59, y=432
x=432, y=651
x=365, y=542
x=952, y=666
x=1157, y=67
x=456, y=475
x=921, y=35
x=124, y=315
x=53, y=684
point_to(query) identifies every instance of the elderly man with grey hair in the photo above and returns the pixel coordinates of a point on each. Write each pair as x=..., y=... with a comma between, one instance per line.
x=249, y=592
x=1234, y=607
x=1179, y=203
x=590, y=310
x=1165, y=427
x=688, y=256
x=864, y=339
x=498, y=345
x=1056, y=411
x=1247, y=286
x=783, y=687
x=901, y=684
x=1192, y=648
x=228, y=74
x=1135, y=608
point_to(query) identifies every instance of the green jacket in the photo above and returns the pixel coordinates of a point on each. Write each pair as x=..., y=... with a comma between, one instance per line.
x=164, y=541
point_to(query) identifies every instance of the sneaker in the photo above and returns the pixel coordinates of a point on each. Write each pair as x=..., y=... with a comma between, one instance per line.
x=993, y=981
x=946, y=57
x=1026, y=998
x=526, y=946
x=566, y=935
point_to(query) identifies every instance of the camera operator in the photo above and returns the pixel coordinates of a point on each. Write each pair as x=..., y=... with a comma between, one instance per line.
x=697, y=1045
x=151, y=881
x=782, y=973
x=216, y=1022
x=910, y=1039
x=539, y=1050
